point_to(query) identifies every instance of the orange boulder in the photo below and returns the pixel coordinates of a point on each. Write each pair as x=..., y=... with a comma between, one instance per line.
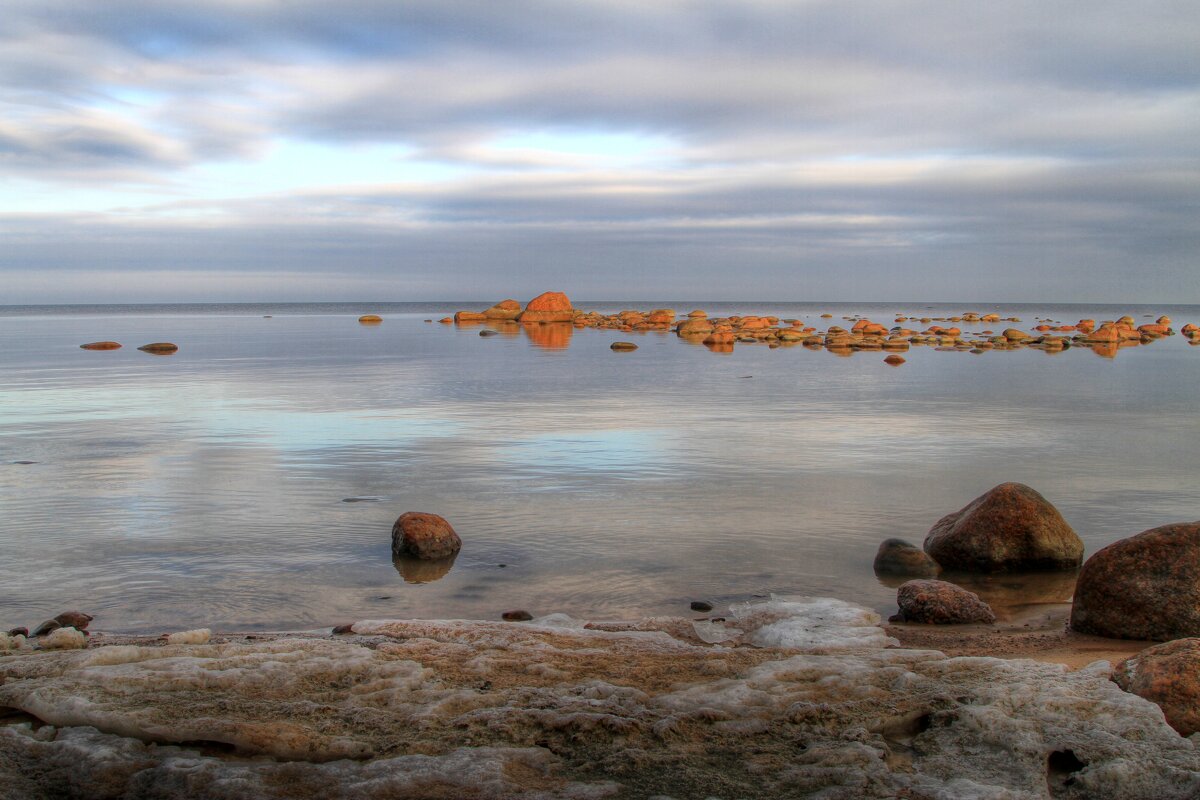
x=505, y=309
x=548, y=307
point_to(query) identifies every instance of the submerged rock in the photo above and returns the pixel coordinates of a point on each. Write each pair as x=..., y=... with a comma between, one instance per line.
x=941, y=603
x=1009, y=528
x=424, y=536
x=898, y=557
x=572, y=712
x=1143, y=587
x=1167, y=675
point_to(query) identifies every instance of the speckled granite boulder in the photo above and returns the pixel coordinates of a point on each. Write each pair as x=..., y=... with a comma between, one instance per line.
x=1143, y=587
x=1169, y=676
x=941, y=603
x=1010, y=528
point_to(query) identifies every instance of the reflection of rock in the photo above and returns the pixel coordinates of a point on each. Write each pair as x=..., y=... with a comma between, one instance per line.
x=418, y=570
x=941, y=603
x=492, y=709
x=898, y=557
x=1010, y=592
x=724, y=348
x=1143, y=587
x=1009, y=528
x=1167, y=675
x=551, y=336
x=548, y=307
x=425, y=536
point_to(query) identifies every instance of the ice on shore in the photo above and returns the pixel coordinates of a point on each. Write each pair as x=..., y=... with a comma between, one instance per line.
x=807, y=700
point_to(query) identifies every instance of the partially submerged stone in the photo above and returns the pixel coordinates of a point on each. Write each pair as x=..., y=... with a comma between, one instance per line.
x=1143, y=587
x=424, y=536
x=623, y=346
x=1167, y=675
x=101, y=346
x=941, y=603
x=370, y=319
x=548, y=307
x=1009, y=528
x=898, y=557
x=505, y=309
x=160, y=348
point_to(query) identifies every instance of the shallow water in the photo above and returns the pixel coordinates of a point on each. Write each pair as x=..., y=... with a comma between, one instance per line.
x=210, y=487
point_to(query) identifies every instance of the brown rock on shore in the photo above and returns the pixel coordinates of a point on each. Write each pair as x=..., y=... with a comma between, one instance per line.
x=425, y=536
x=1167, y=675
x=1009, y=528
x=1143, y=587
x=941, y=603
x=548, y=307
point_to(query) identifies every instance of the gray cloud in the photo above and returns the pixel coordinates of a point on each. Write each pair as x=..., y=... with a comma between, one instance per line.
x=824, y=146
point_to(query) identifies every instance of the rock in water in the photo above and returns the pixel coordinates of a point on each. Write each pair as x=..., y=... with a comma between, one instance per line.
x=101, y=346
x=1010, y=528
x=622, y=346
x=1167, y=675
x=1143, y=587
x=505, y=309
x=46, y=627
x=160, y=348
x=941, y=603
x=519, y=615
x=426, y=536
x=370, y=319
x=548, y=307
x=898, y=557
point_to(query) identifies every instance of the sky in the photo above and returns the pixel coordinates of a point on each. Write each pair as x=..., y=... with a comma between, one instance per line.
x=305, y=150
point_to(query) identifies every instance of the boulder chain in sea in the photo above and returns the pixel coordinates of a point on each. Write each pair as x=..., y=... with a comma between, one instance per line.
x=898, y=557
x=160, y=348
x=1011, y=528
x=548, y=307
x=425, y=536
x=1167, y=675
x=941, y=603
x=803, y=699
x=1143, y=587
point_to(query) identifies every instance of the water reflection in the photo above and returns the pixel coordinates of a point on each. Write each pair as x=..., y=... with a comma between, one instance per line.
x=1009, y=593
x=418, y=570
x=550, y=335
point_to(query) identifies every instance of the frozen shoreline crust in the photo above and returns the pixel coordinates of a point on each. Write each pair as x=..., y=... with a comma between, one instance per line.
x=803, y=697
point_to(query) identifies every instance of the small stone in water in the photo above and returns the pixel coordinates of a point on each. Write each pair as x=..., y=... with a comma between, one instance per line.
x=347, y=628
x=516, y=616
x=700, y=605
x=24, y=462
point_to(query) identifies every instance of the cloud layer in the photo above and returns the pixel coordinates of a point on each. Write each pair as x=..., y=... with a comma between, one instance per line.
x=867, y=150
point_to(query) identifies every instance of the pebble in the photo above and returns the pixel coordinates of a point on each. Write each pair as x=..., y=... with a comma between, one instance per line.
x=100, y=346
x=516, y=616
x=24, y=462
x=159, y=348
x=701, y=605
x=488, y=333
x=623, y=346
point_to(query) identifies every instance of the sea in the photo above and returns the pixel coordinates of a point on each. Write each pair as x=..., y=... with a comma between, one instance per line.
x=250, y=481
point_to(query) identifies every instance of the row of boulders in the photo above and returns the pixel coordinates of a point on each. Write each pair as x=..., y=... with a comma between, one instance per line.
x=157, y=348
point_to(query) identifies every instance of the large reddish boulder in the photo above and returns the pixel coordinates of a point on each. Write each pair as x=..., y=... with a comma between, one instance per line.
x=1143, y=587
x=425, y=536
x=1010, y=528
x=505, y=309
x=1167, y=675
x=941, y=603
x=548, y=307
x=694, y=326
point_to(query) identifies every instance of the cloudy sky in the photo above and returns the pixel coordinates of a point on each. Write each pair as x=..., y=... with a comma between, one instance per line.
x=613, y=149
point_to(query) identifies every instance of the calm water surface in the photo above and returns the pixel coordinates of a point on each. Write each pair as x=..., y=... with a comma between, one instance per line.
x=210, y=487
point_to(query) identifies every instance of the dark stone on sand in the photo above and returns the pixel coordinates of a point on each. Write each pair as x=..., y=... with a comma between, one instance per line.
x=343, y=629
x=159, y=348
x=425, y=536
x=701, y=605
x=1010, y=528
x=101, y=346
x=74, y=619
x=1167, y=675
x=19, y=632
x=1143, y=587
x=46, y=627
x=898, y=557
x=516, y=616
x=941, y=603
x=622, y=346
